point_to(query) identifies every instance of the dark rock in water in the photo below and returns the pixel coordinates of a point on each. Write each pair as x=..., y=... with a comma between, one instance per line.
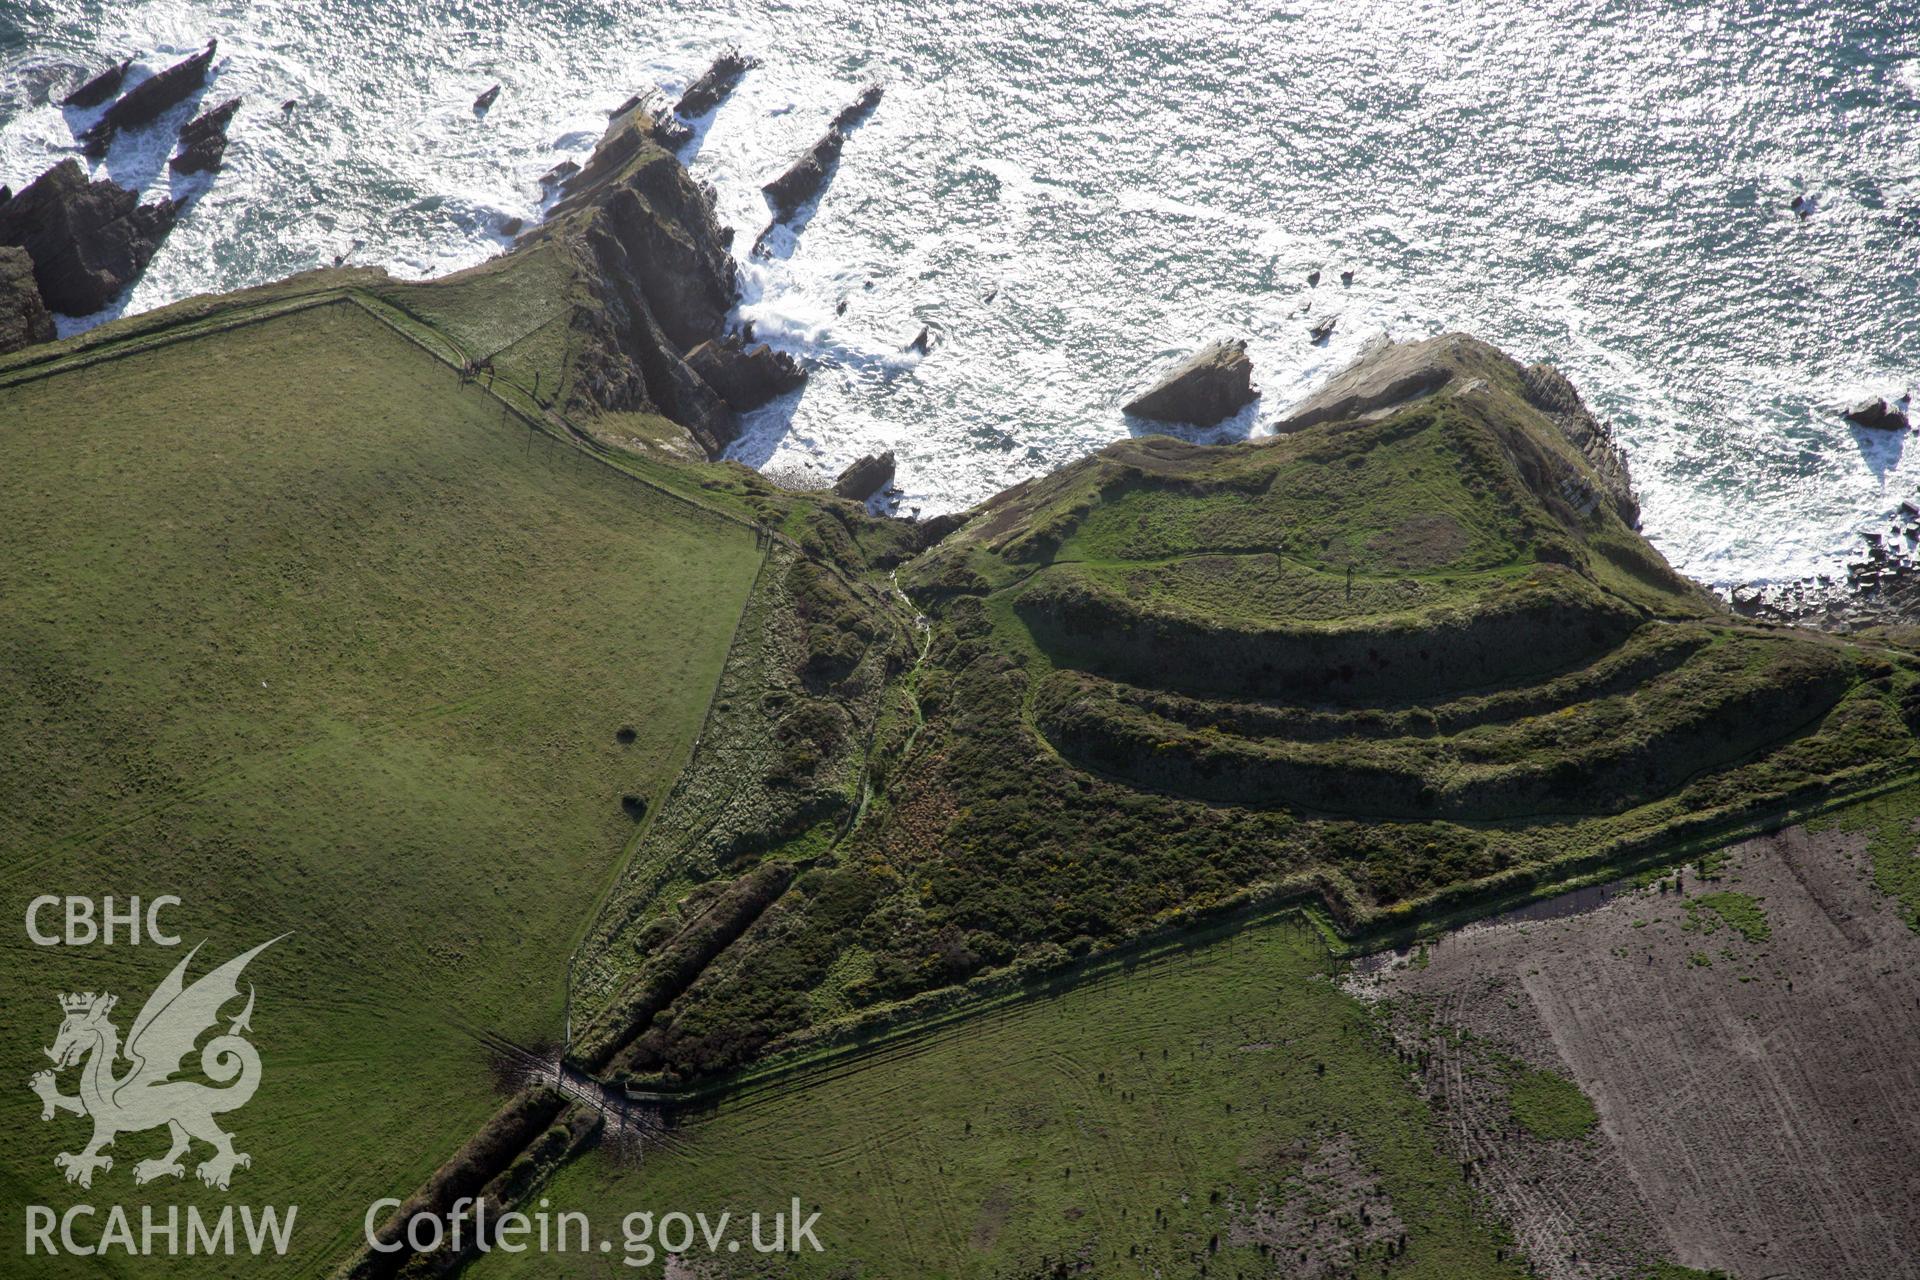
x=88, y=240
x=803, y=180
x=1881, y=415
x=286, y=108
x=866, y=477
x=203, y=140
x=24, y=319
x=808, y=175
x=1211, y=385
x=1346, y=278
x=148, y=100
x=1802, y=205
x=713, y=86
x=513, y=226
x=860, y=108
x=745, y=376
x=922, y=342
x=486, y=99
x=6, y=193
x=559, y=173
x=1322, y=330
x=100, y=88
x=1313, y=279
x=670, y=131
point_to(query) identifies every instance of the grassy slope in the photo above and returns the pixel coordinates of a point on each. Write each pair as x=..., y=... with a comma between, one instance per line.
x=299, y=630
x=1155, y=1091
x=1530, y=695
x=1892, y=820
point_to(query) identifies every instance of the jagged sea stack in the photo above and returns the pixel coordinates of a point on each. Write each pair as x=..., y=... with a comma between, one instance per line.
x=100, y=88
x=148, y=100
x=713, y=86
x=203, y=140
x=1878, y=415
x=808, y=175
x=1208, y=387
x=88, y=240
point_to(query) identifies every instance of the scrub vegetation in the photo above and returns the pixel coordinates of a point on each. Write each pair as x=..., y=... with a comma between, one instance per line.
x=1399, y=668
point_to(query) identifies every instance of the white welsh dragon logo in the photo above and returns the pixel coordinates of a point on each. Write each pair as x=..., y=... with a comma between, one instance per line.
x=146, y=1096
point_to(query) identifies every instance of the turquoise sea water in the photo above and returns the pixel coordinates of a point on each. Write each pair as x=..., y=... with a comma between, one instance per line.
x=1072, y=195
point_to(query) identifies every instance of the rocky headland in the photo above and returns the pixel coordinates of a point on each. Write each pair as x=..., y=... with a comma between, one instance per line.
x=656, y=284
x=88, y=240
x=85, y=241
x=1407, y=659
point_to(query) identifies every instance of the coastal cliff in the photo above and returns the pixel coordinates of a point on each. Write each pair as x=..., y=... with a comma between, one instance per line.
x=655, y=285
x=1408, y=653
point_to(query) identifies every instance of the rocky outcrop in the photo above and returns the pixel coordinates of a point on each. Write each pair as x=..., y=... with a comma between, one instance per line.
x=804, y=180
x=88, y=240
x=1878, y=414
x=23, y=316
x=1548, y=390
x=670, y=131
x=653, y=264
x=1384, y=377
x=99, y=88
x=558, y=175
x=486, y=99
x=713, y=86
x=203, y=140
x=1211, y=385
x=148, y=100
x=1389, y=375
x=860, y=108
x=866, y=477
x=745, y=376
x=930, y=531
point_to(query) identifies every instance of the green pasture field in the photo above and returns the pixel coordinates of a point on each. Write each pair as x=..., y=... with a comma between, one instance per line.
x=1147, y=1125
x=303, y=631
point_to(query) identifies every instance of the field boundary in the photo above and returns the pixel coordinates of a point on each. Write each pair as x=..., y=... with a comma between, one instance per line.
x=1308, y=896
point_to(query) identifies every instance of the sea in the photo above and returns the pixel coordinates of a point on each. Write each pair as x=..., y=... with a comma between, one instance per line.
x=1067, y=197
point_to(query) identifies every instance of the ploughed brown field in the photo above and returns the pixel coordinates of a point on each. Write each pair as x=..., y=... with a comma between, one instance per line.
x=1756, y=1076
